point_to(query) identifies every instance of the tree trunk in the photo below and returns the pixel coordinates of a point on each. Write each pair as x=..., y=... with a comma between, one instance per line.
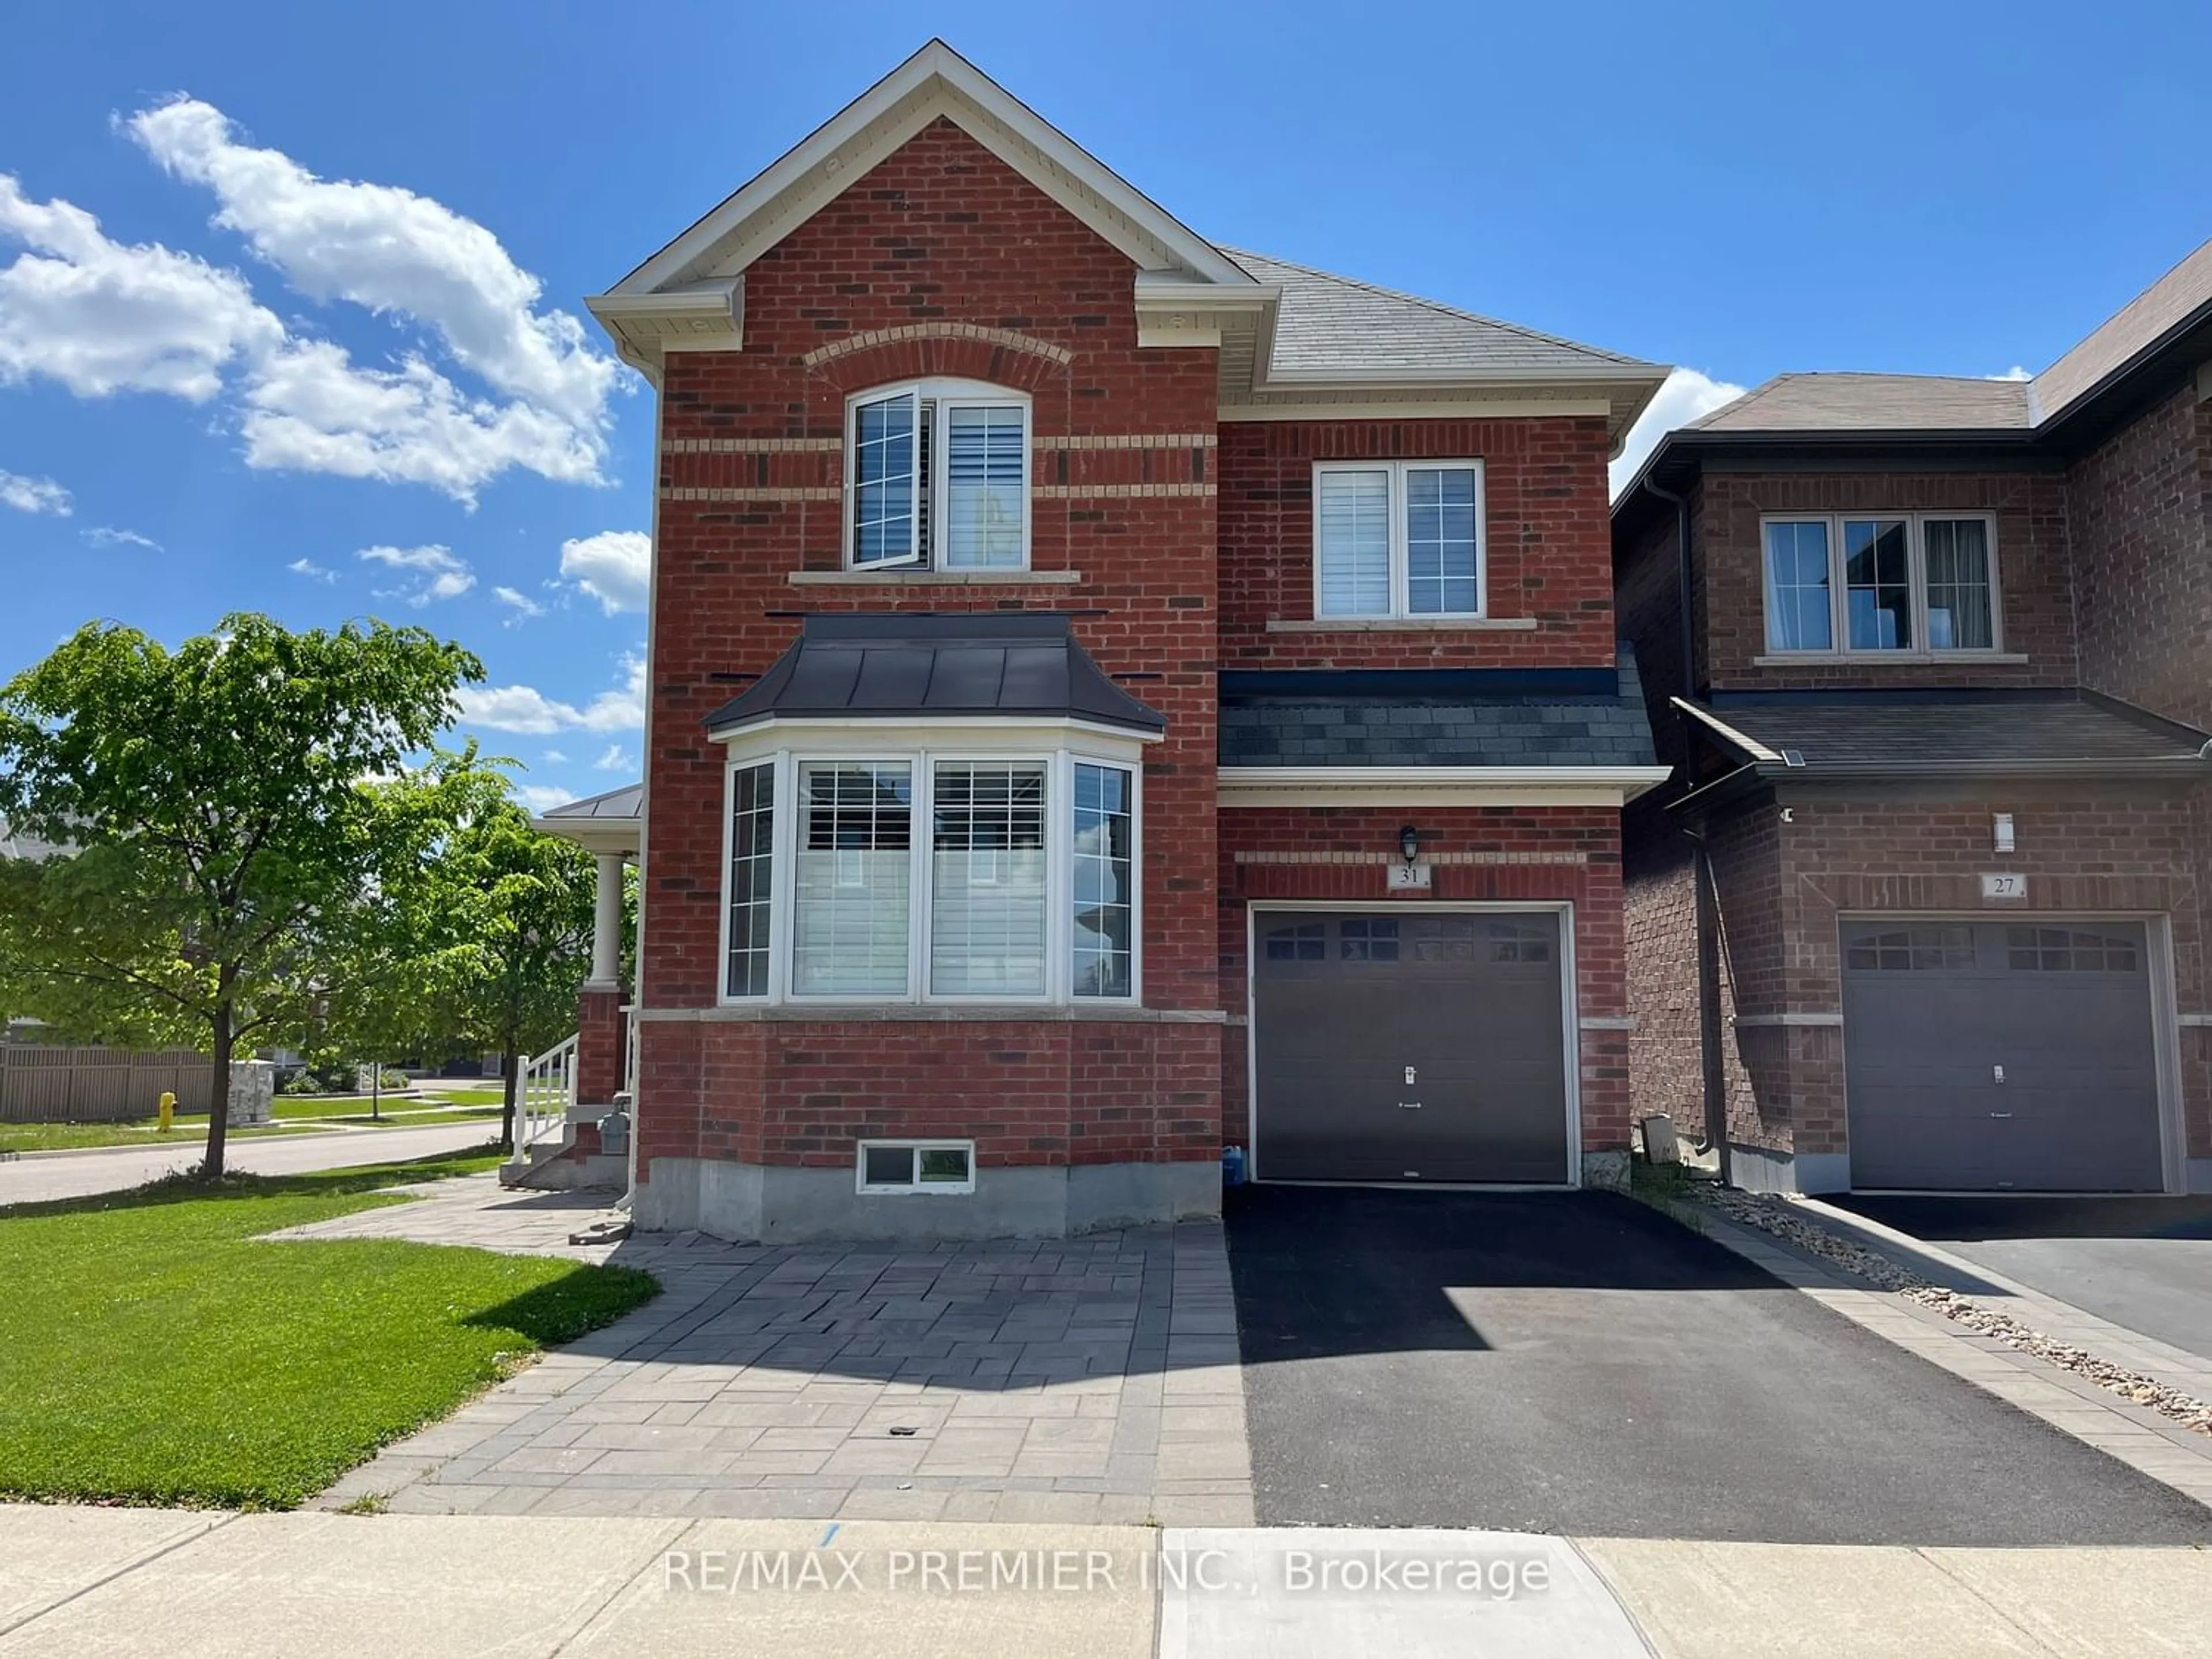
x=219, y=1100
x=511, y=1069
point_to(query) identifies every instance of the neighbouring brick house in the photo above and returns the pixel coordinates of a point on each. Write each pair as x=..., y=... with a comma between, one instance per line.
x=1056, y=617
x=1949, y=674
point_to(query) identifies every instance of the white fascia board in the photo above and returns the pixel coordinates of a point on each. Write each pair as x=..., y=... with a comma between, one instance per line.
x=622, y=835
x=860, y=734
x=1705, y=717
x=935, y=80
x=1435, y=785
x=1593, y=375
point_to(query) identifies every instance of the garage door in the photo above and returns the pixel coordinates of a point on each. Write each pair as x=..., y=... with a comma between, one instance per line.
x=1998, y=1056
x=1408, y=1046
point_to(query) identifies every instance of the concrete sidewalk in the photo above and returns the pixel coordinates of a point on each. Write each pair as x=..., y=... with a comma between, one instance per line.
x=88, y=1581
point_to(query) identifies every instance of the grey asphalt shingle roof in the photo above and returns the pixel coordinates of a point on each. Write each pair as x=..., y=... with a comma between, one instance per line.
x=1328, y=324
x=1963, y=729
x=1873, y=403
x=1490, y=731
x=2166, y=304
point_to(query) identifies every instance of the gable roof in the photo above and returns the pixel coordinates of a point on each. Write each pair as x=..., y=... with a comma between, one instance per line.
x=934, y=82
x=1872, y=402
x=2170, y=322
x=1331, y=327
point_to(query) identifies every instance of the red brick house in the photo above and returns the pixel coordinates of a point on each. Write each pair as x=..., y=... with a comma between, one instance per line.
x=1942, y=821
x=1111, y=696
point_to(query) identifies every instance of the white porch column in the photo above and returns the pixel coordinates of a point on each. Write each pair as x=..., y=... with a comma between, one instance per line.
x=606, y=926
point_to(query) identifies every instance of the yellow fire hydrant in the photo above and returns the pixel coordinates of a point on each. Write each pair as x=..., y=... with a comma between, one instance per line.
x=168, y=1111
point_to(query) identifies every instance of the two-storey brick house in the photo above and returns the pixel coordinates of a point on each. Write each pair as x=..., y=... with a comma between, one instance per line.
x=1941, y=824
x=1110, y=696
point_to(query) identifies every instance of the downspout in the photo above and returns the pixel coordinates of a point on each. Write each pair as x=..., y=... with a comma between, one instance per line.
x=1701, y=865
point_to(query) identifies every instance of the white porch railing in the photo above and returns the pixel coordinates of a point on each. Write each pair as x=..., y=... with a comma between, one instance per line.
x=547, y=1090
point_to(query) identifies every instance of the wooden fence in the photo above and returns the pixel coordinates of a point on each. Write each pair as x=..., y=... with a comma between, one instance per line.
x=40, y=1084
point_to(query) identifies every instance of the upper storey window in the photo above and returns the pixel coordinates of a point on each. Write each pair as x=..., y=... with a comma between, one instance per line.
x=1878, y=584
x=937, y=477
x=1398, y=539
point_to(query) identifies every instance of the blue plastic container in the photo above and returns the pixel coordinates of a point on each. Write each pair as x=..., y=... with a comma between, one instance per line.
x=1232, y=1166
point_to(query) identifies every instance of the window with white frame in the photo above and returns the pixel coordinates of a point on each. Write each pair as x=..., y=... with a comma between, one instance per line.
x=915, y=1166
x=1398, y=539
x=931, y=877
x=938, y=478
x=1880, y=583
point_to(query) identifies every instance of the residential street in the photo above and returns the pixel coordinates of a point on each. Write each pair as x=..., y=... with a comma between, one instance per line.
x=1579, y=1364
x=77, y=1174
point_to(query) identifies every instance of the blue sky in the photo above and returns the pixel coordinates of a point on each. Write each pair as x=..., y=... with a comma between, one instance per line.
x=323, y=353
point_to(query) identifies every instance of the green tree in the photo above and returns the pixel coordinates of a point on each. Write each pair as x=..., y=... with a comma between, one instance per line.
x=223, y=800
x=504, y=926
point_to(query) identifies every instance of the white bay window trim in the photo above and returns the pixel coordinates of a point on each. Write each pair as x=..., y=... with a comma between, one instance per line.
x=1399, y=601
x=933, y=538
x=1839, y=646
x=1058, y=747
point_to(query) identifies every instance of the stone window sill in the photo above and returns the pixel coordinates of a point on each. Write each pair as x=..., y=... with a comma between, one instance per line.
x=932, y=578
x=1403, y=625
x=863, y=1013
x=1885, y=659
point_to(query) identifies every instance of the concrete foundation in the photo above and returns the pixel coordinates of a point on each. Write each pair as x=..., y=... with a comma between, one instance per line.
x=1758, y=1169
x=778, y=1204
x=1607, y=1171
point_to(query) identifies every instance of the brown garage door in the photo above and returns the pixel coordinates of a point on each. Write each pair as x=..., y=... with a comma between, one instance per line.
x=1409, y=1046
x=2002, y=1056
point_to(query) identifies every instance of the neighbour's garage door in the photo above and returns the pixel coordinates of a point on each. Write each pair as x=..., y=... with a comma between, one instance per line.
x=2000, y=1056
x=1409, y=1046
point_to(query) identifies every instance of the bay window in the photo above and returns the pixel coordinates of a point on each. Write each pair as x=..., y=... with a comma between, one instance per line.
x=938, y=478
x=1398, y=539
x=1875, y=584
x=931, y=877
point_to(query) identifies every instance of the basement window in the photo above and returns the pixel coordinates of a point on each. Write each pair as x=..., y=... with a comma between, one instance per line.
x=915, y=1166
x=937, y=477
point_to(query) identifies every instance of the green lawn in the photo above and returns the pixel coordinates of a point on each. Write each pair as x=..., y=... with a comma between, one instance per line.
x=417, y=1118
x=189, y=1133
x=153, y=1350
x=495, y=1096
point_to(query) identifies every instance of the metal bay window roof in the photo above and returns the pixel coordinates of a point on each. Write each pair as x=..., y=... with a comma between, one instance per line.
x=913, y=665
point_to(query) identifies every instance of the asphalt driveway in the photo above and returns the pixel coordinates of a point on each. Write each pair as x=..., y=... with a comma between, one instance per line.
x=1577, y=1362
x=2145, y=1263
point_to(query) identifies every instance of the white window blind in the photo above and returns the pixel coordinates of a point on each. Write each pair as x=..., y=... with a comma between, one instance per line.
x=987, y=923
x=1353, y=544
x=849, y=933
x=986, y=465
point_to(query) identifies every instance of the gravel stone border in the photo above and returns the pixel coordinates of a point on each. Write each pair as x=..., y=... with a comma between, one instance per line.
x=1777, y=1215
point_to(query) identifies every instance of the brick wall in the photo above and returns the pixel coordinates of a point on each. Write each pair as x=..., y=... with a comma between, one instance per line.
x=601, y=1035
x=942, y=260
x=1537, y=854
x=2034, y=576
x=1548, y=543
x=2142, y=552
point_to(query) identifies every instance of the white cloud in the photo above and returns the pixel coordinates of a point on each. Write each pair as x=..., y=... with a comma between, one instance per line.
x=613, y=567
x=393, y=252
x=522, y=604
x=312, y=571
x=34, y=495
x=444, y=576
x=2015, y=372
x=555, y=757
x=1685, y=396
x=616, y=759
x=525, y=709
x=102, y=317
x=108, y=536
x=540, y=798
